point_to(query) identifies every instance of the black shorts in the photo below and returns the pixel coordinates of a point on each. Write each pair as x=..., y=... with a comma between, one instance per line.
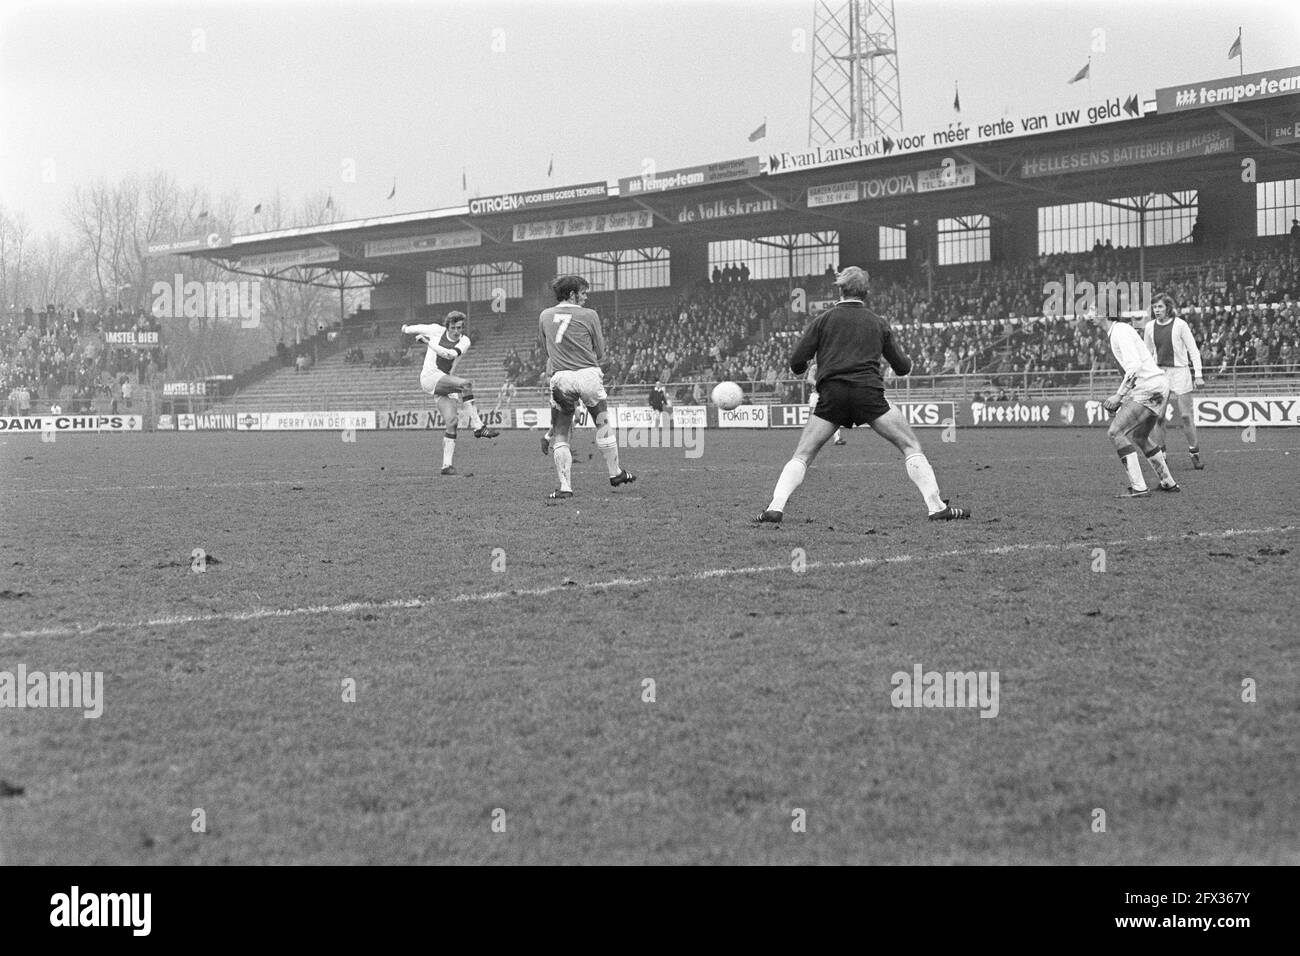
x=846, y=405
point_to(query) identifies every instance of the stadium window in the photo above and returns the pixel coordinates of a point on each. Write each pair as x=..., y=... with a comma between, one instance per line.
x=1076, y=227
x=893, y=242
x=448, y=285
x=636, y=268
x=964, y=239
x=1276, y=204
x=778, y=257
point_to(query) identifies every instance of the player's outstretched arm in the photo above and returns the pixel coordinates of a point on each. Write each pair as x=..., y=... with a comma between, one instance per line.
x=806, y=350
x=433, y=331
x=1193, y=351
x=899, y=362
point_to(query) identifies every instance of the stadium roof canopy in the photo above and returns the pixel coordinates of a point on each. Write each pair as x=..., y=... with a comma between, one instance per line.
x=1142, y=143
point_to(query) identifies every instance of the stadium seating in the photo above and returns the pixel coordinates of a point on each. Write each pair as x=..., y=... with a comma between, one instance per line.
x=984, y=320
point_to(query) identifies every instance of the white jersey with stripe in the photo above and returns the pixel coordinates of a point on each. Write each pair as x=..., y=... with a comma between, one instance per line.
x=1140, y=369
x=437, y=335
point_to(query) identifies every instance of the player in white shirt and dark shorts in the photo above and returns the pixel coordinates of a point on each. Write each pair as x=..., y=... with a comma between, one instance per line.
x=1171, y=343
x=451, y=392
x=1137, y=406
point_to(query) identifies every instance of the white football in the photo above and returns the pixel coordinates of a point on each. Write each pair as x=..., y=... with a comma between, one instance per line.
x=728, y=395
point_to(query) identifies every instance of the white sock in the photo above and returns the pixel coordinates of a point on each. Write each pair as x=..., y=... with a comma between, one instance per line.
x=837, y=435
x=563, y=464
x=474, y=421
x=608, y=445
x=1134, y=466
x=922, y=475
x=1162, y=469
x=791, y=478
x=448, y=449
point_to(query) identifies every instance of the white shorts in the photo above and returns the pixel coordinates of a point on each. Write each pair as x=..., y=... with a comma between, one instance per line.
x=570, y=386
x=430, y=382
x=1180, y=379
x=1152, y=397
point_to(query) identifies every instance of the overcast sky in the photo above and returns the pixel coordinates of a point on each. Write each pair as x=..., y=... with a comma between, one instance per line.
x=249, y=98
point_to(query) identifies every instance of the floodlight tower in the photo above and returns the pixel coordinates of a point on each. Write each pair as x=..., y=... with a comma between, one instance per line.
x=855, y=92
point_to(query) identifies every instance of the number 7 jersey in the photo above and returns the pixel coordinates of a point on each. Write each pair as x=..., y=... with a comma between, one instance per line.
x=572, y=336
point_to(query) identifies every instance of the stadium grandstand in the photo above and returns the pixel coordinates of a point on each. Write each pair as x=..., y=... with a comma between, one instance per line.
x=708, y=273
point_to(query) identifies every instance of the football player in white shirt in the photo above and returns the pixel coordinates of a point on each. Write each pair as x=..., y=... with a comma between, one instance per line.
x=451, y=392
x=1173, y=346
x=1141, y=397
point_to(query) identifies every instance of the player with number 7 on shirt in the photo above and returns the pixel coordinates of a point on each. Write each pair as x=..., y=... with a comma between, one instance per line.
x=575, y=347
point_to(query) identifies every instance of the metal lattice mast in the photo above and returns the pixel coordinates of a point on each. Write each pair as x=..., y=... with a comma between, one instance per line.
x=855, y=92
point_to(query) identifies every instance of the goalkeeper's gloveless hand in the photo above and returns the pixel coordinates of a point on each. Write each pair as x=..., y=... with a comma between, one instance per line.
x=1112, y=404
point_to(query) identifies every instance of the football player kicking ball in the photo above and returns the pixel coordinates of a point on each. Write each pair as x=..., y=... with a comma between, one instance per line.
x=575, y=347
x=1137, y=406
x=451, y=392
x=848, y=341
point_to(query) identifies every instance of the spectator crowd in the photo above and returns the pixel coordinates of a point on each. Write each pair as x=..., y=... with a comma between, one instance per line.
x=62, y=358
x=984, y=319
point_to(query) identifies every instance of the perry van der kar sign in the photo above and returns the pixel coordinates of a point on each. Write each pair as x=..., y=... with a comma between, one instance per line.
x=510, y=202
x=725, y=209
x=955, y=134
x=884, y=187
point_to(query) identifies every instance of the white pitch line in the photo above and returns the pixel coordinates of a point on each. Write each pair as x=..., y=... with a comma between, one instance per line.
x=260, y=614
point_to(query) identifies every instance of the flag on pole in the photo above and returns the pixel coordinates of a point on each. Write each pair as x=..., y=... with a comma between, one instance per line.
x=551, y=168
x=1234, y=51
x=393, y=192
x=956, y=98
x=760, y=133
x=203, y=215
x=1082, y=74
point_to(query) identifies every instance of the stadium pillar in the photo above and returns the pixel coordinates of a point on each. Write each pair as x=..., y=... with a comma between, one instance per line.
x=1224, y=217
x=539, y=270
x=1015, y=236
x=690, y=262
x=859, y=245
x=922, y=242
x=398, y=294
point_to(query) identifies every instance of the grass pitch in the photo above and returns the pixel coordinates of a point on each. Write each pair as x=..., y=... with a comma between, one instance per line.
x=522, y=689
